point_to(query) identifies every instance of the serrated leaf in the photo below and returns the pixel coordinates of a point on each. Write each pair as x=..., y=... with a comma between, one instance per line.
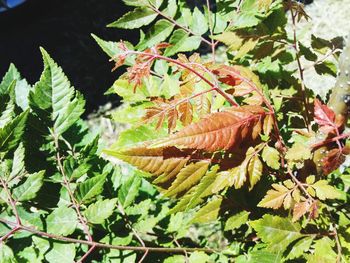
x=97, y=212
x=272, y=157
x=152, y=161
x=54, y=95
x=236, y=220
x=90, y=188
x=30, y=187
x=274, y=197
x=325, y=191
x=129, y=190
x=181, y=42
x=137, y=18
x=218, y=131
x=62, y=221
x=208, y=213
x=300, y=247
x=255, y=168
x=323, y=252
x=61, y=252
x=197, y=193
x=188, y=176
x=17, y=161
x=199, y=23
x=300, y=209
x=11, y=75
x=276, y=232
x=158, y=33
x=12, y=132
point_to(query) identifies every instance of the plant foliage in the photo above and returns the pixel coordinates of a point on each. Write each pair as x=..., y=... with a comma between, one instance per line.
x=228, y=157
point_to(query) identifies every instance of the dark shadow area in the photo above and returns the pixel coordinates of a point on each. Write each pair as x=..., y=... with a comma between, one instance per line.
x=63, y=28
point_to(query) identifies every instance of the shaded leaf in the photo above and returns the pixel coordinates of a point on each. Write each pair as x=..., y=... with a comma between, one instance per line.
x=30, y=187
x=90, y=188
x=97, y=212
x=236, y=220
x=62, y=221
x=129, y=190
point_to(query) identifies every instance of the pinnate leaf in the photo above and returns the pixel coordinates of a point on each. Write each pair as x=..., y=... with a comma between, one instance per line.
x=219, y=131
x=187, y=177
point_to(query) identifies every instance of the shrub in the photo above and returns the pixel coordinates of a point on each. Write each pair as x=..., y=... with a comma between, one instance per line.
x=228, y=156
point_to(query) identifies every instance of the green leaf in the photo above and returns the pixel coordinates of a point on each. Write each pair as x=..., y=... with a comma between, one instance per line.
x=175, y=259
x=11, y=75
x=62, y=221
x=6, y=254
x=12, y=132
x=187, y=177
x=97, y=212
x=272, y=157
x=208, y=213
x=129, y=190
x=198, y=256
x=300, y=247
x=17, y=161
x=199, y=23
x=260, y=256
x=137, y=18
x=61, y=252
x=236, y=220
x=325, y=191
x=54, y=95
x=298, y=153
x=323, y=252
x=255, y=169
x=276, y=232
x=30, y=187
x=158, y=33
x=136, y=2
x=90, y=188
x=7, y=114
x=181, y=42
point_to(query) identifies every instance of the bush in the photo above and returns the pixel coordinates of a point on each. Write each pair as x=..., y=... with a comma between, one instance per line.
x=229, y=157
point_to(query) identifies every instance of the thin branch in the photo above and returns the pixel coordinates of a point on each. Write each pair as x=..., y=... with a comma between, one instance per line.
x=174, y=61
x=108, y=246
x=11, y=232
x=301, y=73
x=12, y=202
x=334, y=139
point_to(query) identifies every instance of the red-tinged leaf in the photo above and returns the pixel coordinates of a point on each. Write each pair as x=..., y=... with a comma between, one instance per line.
x=228, y=75
x=186, y=113
x=300, y=209
x=172, y=118
x=153, y=113
x=220, y=130
x=324, y=117
x=333, y=159
x=165, y=162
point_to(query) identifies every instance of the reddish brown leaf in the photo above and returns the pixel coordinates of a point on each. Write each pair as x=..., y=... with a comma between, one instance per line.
x=220, y=131
x=324, y=117
x=300, y=209
x=186, y=112
x=333, y=159
x=172, y=118
x=228, y=75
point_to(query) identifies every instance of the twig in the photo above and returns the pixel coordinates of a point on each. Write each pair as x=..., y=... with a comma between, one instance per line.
x=75, y=204
x=334, y=139
x=174, y=61
x=108, y=246
x=12, y=202
x=121, y=209
x=301, y=73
